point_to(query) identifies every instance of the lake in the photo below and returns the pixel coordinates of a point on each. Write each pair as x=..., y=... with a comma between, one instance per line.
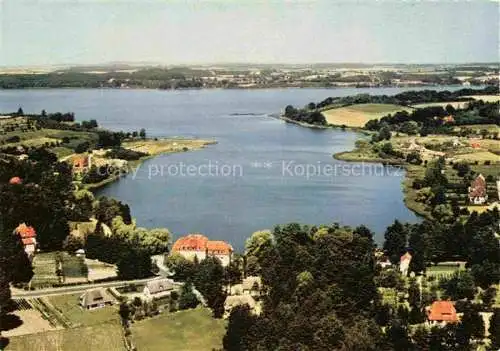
x=261, y=173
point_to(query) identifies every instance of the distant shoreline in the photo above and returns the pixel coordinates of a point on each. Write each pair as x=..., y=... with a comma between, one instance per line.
x=264, y=87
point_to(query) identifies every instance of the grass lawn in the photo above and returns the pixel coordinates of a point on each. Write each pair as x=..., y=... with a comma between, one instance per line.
x=358, y=115
x=193, y=330
x=479, y=156
x=107, y=337
x=68, y=306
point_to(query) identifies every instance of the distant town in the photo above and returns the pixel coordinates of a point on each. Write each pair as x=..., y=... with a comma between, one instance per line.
x=249, y=76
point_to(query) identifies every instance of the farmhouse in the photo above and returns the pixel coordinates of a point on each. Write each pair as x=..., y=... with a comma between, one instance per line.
x=198, y=245
x=404, y=263
x=95, y=298
x=441, y=312
x=158, y=288
x=477, y=191
x=28, y=236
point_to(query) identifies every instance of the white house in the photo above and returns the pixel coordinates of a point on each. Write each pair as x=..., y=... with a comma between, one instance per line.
x=404, y=263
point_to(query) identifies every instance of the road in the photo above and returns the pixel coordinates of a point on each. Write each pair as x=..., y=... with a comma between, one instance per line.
x=20, y=294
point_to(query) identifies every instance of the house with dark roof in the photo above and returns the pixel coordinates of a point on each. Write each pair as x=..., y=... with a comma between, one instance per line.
x=95, y=298
x=441, y=313
x=198, y=245
x=477, y=191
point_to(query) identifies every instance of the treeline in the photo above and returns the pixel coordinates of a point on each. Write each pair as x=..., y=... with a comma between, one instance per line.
x=321, y=287
x=431, y=119
x=305, y=116
x=406, y=98
x=177, y=77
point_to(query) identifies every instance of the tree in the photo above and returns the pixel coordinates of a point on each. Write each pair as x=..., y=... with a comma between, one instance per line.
x=418, y=242
x=135, y=263
x=495, y=329
x=15, y=268
x=488, y=297
x=472, y=324
x=459, y=286
x=385, y=133
x=142, y=133
x=187, y=298
x=239, y=324
x=256, y=247
x=397, y=335
x=395, y=241
x=209, y=280
x=182, y=268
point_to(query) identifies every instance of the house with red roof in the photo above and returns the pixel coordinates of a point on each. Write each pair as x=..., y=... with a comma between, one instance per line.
x=15, y=181
x=477, y=191
x=28, y=237
x=198, y=245
x=80, y=164
x=441, y=313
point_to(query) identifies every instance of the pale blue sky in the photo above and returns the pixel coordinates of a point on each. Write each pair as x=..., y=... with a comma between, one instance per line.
x=172, y=32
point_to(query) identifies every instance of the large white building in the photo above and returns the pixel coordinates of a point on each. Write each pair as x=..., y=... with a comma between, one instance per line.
x=198, y=245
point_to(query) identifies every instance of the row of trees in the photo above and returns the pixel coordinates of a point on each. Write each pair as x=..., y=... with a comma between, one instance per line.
x=429, y=119
x=408, y=98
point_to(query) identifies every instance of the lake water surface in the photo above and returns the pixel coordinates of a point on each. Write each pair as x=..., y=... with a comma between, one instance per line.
x=261, y=173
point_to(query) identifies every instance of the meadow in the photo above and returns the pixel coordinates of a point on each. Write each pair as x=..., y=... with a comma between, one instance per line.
x=193, y=330
x=358, y=115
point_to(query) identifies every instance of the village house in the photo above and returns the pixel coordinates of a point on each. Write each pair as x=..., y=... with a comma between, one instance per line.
x=28, y=237
x=404, y=263
x=250, y=285
x=95, y=298
x=198, y=245
x=157, y=288
x=477, y=191
x=15, y=181
x=441, y=313
x=81, y=164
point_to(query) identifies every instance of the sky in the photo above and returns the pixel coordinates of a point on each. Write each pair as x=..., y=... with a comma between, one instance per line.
x=51, y=32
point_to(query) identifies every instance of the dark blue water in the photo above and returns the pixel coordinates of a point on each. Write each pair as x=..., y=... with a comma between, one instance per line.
x=254, y=178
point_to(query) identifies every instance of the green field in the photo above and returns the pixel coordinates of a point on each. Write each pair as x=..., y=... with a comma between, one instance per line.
x=108, y=336
x=358, y=115
x=43, y=136
x=68, y=307
x=190, y=330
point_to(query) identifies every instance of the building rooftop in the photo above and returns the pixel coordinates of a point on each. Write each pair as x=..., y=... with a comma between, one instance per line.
x=442, y=311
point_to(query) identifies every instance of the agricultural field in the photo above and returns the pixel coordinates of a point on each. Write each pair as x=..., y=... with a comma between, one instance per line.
x=33, y=321
x=67, y=308
x=485, y=98
x=455, y=104
x=108, y=336
x=193, y=330
x=44, y=268
x=53, y=268
x=155, y=147
x=444, y=269
x=358, y=115
x=51, y=137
